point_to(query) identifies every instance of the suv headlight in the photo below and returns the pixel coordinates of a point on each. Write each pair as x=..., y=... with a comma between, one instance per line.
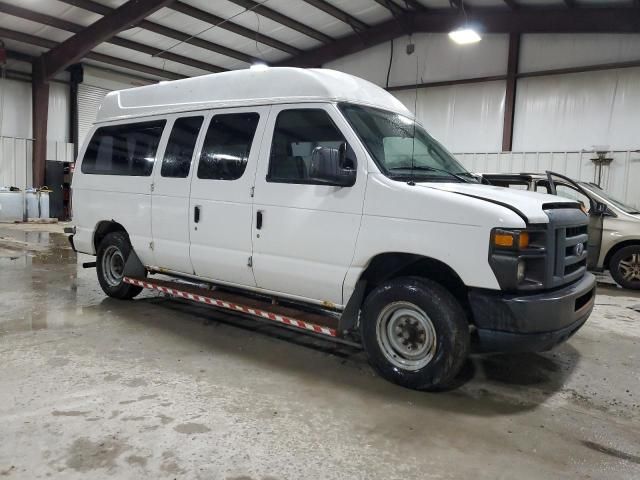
x=517, y=257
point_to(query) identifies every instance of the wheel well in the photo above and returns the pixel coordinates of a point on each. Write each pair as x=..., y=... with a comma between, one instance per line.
x=103, y=228
x=617, y=247
x=392, y=265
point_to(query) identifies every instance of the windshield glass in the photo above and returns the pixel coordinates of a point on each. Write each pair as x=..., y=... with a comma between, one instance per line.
x=614, y=201
x=403, y=149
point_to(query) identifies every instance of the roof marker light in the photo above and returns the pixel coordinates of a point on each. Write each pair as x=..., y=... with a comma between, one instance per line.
x=259, y=67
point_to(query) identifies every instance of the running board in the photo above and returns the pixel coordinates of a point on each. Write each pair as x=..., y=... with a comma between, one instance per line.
x=313, y=322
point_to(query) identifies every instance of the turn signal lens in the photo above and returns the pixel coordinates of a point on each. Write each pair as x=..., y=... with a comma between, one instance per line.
x=504, y=240
x=516, y=240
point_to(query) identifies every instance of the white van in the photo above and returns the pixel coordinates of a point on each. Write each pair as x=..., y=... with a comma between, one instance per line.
x=317, y=189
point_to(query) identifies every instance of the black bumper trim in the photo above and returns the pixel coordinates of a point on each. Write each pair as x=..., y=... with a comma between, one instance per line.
x=512, y=322
x=486, y=341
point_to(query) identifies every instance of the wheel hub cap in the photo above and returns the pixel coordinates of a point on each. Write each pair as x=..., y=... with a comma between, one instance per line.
x=113, y=265
x=406, y=335
x=630, y=267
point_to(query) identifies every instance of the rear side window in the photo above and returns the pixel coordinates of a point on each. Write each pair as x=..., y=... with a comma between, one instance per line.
x=177, y=156
x=123, y=149
x=227, y=146
x=296, y=135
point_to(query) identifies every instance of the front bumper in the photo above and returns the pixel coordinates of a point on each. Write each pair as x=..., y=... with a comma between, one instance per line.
x=529, y=323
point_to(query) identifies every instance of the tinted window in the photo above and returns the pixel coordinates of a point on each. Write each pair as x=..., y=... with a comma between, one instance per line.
x=182, y=142
x=123, y=149
x=297, y=133
x=227, y=145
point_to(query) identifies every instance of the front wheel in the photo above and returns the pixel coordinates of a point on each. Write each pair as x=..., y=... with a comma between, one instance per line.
x=415, y=333
x=112, y=256
x=625, y=267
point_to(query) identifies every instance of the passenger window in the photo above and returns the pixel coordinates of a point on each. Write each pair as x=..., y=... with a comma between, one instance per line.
x=177, y=157
x=227, y=146
x=128, y=149
x=296, y=135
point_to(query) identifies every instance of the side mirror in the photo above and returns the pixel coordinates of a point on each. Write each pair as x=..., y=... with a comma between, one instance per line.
x=333, y=166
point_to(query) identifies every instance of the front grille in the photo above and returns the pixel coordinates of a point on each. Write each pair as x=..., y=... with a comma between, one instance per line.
x=569, y=269
x=568, y=242
x=575, y=231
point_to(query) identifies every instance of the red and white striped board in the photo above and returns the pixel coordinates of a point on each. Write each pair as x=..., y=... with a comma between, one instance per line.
x=233, y=306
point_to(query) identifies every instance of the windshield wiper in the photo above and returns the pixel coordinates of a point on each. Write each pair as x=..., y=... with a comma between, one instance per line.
x=431, y=169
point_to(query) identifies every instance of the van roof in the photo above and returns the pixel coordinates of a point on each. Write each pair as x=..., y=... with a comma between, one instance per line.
x=243, y=88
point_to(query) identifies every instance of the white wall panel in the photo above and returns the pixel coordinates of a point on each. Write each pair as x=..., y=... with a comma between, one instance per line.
x=462, y=117
x=437, y=57
x=545, y=51
x=576, y=111
x=15, y=116
x=58, y=122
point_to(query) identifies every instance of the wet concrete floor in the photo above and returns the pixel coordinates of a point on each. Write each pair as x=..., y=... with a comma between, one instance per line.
x=92, y=387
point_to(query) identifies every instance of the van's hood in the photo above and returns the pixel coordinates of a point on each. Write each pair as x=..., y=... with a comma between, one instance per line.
x=528, y=204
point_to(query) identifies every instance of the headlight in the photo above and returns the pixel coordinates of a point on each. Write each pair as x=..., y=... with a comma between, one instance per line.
x=517, y=257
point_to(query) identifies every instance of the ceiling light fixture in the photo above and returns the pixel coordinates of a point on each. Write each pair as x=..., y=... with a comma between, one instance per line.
x=259, y=67
x=465, y=36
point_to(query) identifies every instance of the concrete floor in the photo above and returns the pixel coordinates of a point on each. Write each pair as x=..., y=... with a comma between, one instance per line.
x=93, y=388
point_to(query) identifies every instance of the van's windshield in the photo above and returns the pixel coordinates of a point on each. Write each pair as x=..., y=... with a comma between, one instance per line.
x=401, y=148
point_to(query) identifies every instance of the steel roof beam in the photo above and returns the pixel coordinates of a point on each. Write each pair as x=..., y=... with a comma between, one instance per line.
x=100, y=9
x=579, y=20
x=341, y=15
x=232, y=27
x=512, y=4
x=283, y=20
x=394, y=8
x=122, y=42
x=76, y=47
x=98, y=57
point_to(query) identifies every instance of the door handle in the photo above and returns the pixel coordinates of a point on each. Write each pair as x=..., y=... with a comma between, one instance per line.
x=259, y=220
x=196, y=214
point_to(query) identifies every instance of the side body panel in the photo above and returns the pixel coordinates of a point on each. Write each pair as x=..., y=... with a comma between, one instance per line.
x=221, y=239
x=170, y=210
x=454, y=229
x=123, y=199
x=309, y=232
x=619, y=229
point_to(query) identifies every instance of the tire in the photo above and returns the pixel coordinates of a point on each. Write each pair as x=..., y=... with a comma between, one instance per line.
x=625, y=267
x=113, y=252
x=430, y=340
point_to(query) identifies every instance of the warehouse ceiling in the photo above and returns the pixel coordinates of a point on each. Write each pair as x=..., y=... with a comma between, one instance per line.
x=194, y=37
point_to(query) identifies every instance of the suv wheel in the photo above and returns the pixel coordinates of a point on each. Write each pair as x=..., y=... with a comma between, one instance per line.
x=113, y=252
x=415, y=333
x=625, y=267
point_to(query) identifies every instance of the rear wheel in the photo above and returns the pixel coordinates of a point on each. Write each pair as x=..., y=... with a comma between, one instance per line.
x=415, y=333
x=625, y=267
x=113, y=252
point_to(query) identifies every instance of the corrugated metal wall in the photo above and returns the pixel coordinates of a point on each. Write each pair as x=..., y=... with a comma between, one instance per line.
x=555, y=113
x=16, y=130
